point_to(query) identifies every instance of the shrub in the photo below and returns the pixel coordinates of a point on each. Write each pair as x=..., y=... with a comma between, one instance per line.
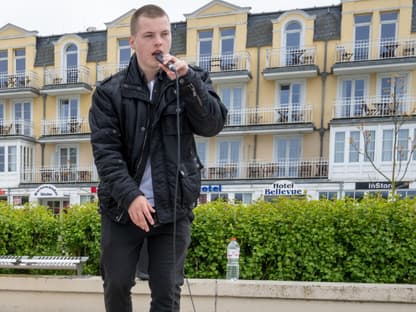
x=373, y=240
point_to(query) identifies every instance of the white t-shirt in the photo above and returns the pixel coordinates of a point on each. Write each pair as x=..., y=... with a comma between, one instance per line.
x=146, y=184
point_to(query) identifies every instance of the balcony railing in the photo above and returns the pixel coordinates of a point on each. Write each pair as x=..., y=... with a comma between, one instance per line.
x=375, y=50
x=65, y=126
x=69, y=75
x=106, y=70
x=267, y=170
x=27, y=79
x=222, y=62
x=290, y=57
x=59, y=175
x=374, y=106
x=269, y=115
x=16, y=127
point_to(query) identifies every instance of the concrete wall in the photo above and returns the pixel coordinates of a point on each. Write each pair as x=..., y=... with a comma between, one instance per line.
x=69, y=294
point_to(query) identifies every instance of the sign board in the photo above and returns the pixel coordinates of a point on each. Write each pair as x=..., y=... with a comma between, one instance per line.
x=379, y=185
x=285, y=188
x=46, y=190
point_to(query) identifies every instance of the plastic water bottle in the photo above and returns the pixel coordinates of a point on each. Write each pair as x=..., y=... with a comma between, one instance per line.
x=233, y=255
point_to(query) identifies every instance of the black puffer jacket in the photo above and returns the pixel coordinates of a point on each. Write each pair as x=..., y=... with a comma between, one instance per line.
x=126, y=127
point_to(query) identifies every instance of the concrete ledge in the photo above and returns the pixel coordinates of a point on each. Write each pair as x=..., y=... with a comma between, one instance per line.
x=22, y=293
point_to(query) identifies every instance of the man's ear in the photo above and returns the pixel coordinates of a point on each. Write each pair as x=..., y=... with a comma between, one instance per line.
x=131, y=42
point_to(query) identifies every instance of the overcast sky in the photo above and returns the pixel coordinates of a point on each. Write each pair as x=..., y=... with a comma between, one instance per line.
x=50, y=17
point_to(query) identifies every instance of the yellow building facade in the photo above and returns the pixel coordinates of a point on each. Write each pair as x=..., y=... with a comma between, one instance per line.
x=322, y=101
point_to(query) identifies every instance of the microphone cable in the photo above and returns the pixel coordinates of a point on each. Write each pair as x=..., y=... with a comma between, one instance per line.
x=178, y=155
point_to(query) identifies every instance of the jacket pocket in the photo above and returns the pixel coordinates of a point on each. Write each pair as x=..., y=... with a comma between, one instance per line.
x=169, y=123
x=190, y=182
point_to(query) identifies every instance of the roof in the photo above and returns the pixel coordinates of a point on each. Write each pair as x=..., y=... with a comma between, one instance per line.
x=97, y=47
x=327, y=25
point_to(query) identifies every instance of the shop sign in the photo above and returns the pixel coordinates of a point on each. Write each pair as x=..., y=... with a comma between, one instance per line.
x=216, y=188
x=46, y=190
x=380, y=185
x=283, y=187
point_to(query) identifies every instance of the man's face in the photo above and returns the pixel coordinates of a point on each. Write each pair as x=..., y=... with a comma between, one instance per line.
x=152, y=36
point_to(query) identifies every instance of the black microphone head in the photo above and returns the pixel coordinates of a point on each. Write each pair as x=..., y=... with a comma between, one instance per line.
x=159, y=58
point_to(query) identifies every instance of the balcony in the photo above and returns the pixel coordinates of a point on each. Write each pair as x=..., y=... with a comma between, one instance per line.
x=58, y=175
x=303, y=169
x=25, y=84
x=290, y=63
x=268, y=119
x=67, y=129
x=376, y=56
x=374, y=106
x=71, y=80
x=230, y=68
x=16, y=128
x=106, y=70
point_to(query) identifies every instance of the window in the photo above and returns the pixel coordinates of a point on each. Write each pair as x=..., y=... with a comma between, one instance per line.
x=354, y=146
x=85, y=199
x=352, y=97
x=68, y=115
x=2, y=115
x=387, y=146
x=229, y=152
x=71, y=63
x=369, y=144
x=23, y=118
x=362, y=28
x=228, y=158
x=354, y=195
x=219, y=196
x=124, y=53
x=68, y=157
x=403, y=144
x=227, y=49
x=3, y=69
x=388, y=34
x=288, y=153
x=232, y=97
x=2, y=159
x=339, y=147
x=393, y=91
x=20, y=200
x=20, y=61
x=413, y=145
x=202, y=199
x=26, y=161
x=293, y=32
x=205, y=49
x=12, y=159
x=245, y=198
x=8, y=159
x=328, y=195
x=202, y=150
x=289, y=105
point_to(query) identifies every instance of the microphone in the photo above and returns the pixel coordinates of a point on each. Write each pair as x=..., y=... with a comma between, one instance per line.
x=159, y=58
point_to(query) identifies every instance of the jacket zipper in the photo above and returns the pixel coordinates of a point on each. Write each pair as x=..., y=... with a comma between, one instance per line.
x=195, y=95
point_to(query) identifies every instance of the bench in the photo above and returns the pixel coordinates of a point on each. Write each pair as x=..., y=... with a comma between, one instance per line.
x=43, y=262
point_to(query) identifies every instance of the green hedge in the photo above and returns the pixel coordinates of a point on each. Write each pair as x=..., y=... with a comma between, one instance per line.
x=344, y=241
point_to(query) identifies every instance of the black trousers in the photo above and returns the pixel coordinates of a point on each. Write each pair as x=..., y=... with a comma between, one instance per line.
x=120, y=248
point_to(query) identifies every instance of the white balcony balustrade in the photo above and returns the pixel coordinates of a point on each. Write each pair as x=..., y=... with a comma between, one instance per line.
x=375, y=50
x=374, y=106
x=290, y=57
x=267, y=170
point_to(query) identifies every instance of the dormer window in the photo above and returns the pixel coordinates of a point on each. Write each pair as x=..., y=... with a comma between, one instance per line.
x=71, y=63
x=293, y=33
